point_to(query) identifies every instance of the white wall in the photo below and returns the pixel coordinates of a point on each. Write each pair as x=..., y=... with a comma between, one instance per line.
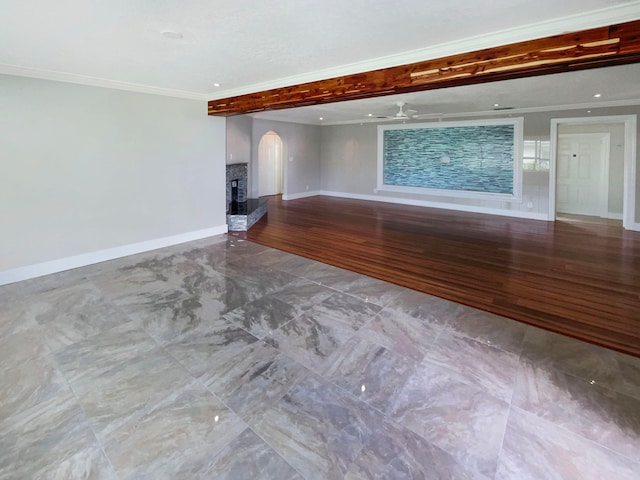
x=239, y=129
x=301, y=156
x=86, y=169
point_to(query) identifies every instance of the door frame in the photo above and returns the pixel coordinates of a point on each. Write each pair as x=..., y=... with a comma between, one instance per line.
x=280, y=164
x=603, y=174
x=629, y=187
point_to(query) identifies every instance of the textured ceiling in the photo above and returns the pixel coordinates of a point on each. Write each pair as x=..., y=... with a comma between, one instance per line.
x=248, y=44
x=251, y=45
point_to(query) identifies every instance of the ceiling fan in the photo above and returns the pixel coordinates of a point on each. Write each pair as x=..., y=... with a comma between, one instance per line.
x=402, y=114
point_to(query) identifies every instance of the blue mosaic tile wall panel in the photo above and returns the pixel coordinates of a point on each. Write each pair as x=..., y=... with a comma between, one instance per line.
x=469, y=158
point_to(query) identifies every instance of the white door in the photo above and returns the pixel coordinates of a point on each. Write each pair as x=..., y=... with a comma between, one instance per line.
x=582, y=182
x=270, y=152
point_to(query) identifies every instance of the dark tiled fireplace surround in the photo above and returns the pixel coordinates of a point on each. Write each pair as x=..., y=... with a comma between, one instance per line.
x=242, y=212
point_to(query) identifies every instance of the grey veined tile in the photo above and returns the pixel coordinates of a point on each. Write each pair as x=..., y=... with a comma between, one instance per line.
x=371, y=290
x=213, y=287
x=10, y=296
x=369, y=372
x=15, y=317
x=28, y=374
x=182, y=315
x=208, y=257
x=296, y=265
x=259, y=282
x=201, y=352
x=72, y=314
x=207, y=243
x=233, y=289
x=310, y=340
x=592, y=363
x=253, y=379
x=262, y=316
x=320, y=273
x=538, y=449
x=488, y=328
x=247, y=457
x=397, y=453
x=343, y=310
x=128, y=389
x=174, y=438
x=52, y=440
x=52, y=282
x=269, y=258
x=244, y=247
x=602, y=415
x=365, y=288
x=89, y=358
x=150, y=275
x=302, y=294
x=425, y=307
x=401, y=333
x=318, y=429
x=490, y=368
x=460, y=418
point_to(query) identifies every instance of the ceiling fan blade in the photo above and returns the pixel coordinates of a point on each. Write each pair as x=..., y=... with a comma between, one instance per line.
x=426, y=115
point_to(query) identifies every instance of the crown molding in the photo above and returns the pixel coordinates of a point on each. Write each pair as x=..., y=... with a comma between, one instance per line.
x=16, y=70
x=623, y=12
x=596, y=18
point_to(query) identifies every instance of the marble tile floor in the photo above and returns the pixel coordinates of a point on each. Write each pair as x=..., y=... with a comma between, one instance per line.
x=223, y=359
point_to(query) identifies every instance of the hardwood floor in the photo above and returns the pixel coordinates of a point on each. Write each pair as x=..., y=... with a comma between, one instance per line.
x=578, y=279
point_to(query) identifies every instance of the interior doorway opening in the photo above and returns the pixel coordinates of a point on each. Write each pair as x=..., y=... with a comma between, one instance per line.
x=582, y=175
x=592, y=170
x=270, y=165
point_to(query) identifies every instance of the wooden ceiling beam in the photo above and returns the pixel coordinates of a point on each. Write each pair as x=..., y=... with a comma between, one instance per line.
x=594, y=48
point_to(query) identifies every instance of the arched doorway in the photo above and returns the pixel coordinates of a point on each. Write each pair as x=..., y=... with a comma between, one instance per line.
x=270, y=164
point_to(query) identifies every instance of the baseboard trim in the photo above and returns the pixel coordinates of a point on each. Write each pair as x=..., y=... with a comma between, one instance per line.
x=295, y=196
x=633, y=226
x=614, y=216
x=84, y=259
x=445, y=206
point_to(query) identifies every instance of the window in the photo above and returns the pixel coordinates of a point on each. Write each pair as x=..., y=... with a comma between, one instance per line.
x=536, y=155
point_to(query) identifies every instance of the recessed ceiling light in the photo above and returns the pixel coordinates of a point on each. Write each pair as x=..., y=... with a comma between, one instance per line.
x=171, y=34
x=588, y=111
x=597, y=95
x=370, y=115
x=216, y=84
x=496, y=104
x=321, y=118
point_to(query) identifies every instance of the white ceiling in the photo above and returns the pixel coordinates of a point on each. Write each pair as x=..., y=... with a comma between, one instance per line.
x=252, y=45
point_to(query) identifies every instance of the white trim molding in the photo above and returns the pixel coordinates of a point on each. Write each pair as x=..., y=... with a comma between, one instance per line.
x=295, y=196
x=442, y=205
x=42, y=74
x=623, y=11
x=630, y=163
x=84, y=259
x=620, y=13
